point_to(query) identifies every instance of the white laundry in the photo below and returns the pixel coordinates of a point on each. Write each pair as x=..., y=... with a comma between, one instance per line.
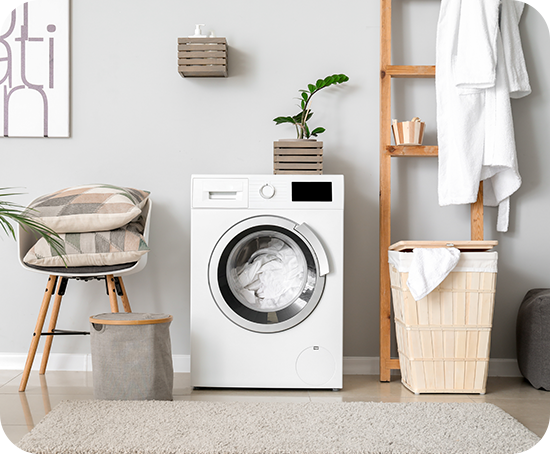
x=429, y=267
x=272, y=277
x=479, y=67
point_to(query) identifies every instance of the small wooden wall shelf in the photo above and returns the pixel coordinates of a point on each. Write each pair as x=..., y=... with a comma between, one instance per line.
x=202, y=57
x=299, y=157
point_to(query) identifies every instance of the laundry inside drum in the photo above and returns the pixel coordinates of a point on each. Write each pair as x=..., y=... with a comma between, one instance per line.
x=266, y=271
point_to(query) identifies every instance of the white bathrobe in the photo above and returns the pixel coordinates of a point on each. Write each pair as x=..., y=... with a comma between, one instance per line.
x=480, y=65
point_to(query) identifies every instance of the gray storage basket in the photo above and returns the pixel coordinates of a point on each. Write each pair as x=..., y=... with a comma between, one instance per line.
x=132, y=356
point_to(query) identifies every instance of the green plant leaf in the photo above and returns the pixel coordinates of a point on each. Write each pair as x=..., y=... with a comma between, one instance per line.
x=280, y=120
x=317, y=131
x=342, y=78
x=312, y=88
x=306, y=130
x=329, y=80
x=298, y=118
x=303, y=104
x=304, y=96
x=320, y=83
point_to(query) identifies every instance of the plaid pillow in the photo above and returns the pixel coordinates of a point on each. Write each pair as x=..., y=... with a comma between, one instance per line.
x=90, y=208
x=92, y=248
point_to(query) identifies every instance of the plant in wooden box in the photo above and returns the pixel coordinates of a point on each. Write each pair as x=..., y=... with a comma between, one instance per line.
x=303, y=155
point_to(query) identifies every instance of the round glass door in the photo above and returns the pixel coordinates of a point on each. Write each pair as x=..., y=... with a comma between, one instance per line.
x=264, y=275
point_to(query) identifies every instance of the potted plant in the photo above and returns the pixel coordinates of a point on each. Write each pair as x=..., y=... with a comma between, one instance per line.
x=303, y=154
x=11, y=212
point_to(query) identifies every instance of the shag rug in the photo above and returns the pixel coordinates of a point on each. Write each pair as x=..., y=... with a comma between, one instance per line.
x=156, y=427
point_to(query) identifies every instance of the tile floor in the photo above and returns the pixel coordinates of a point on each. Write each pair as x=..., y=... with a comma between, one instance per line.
x=19, y=412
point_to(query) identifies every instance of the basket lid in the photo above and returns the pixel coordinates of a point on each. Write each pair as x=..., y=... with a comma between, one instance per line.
x=468, y=246
x=130, y=318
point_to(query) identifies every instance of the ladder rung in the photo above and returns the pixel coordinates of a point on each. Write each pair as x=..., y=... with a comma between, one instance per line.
x=412, y=150
x=410, y=71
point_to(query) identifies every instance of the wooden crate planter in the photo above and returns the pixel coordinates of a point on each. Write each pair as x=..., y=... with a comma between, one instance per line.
x=202, y=57
x=297, y=157
x=444, y=339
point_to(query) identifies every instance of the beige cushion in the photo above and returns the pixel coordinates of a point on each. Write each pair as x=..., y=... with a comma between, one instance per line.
x=92, y=248
x=90, y=208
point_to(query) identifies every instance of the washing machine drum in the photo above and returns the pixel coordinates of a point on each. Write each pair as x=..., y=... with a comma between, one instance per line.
x=267, y=273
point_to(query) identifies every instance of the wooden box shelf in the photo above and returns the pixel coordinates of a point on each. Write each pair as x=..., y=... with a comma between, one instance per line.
x=202, y=57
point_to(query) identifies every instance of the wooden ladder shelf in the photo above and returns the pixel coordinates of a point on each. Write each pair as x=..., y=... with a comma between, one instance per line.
x=387, y=151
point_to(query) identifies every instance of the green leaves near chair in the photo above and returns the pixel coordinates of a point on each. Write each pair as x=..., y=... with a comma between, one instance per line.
x=12, y=212
x=300, y=120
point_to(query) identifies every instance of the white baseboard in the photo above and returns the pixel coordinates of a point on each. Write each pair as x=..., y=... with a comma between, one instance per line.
x=353, y=365
x=57, y=361
x=79, y=362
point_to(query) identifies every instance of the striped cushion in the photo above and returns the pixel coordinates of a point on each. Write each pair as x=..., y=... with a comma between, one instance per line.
x=90, y=208
x=92, y=248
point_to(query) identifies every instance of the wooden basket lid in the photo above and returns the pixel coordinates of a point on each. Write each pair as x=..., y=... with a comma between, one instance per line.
x=466, y=246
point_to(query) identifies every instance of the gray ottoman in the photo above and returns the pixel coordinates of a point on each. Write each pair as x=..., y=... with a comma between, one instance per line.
x=132, y=356
x=533, y=338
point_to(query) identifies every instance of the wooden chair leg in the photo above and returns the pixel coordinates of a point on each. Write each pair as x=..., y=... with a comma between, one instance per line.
x=52, y=281
x=124, y=295
x=53, y=322
x=112, y=292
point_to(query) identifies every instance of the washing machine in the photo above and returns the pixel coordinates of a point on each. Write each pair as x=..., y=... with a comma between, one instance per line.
x=267, y=281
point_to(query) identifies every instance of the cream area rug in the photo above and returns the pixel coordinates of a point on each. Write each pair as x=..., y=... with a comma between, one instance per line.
x=155, y=427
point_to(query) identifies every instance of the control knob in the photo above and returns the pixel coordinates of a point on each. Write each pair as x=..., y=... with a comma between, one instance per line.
x=267, y=191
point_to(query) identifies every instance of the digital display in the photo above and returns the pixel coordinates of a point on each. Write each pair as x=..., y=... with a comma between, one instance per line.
x=312, y=191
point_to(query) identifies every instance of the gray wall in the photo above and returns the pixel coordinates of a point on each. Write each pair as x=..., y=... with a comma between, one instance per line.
x=136, y=122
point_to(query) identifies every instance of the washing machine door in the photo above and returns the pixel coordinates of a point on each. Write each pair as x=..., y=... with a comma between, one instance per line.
x=267, y=273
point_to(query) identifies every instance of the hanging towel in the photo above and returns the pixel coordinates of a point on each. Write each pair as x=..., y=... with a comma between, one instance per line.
x=429, y=267
x=480, y=65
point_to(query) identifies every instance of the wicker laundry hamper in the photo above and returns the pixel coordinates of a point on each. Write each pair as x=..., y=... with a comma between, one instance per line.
x=444, y=338
x=132, y=356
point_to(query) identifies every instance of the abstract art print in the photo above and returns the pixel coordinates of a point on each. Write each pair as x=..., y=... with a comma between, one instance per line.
x=34, y=68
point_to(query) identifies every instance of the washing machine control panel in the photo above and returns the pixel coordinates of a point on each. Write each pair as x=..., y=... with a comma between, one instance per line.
x=267, y=191
x=272, y=192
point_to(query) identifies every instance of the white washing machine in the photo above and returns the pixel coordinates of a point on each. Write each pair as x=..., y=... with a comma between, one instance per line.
x=267, y=281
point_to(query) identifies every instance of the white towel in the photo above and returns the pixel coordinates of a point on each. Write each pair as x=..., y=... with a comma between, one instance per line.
x=429, y=267
x=272, y=277
x=475, y=59
x=479, y=67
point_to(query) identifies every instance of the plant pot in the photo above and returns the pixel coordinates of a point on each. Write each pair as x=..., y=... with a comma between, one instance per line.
x=298, y=157
x=408, y=132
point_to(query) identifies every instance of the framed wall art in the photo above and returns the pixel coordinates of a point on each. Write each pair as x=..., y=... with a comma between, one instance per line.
x=34, y=68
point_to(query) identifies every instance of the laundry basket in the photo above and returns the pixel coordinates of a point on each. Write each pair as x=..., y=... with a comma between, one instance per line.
x=444, y=338
x=132, y=356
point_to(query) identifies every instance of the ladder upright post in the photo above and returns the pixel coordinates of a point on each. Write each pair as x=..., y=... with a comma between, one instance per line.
x=476, y=216
x=385, y=190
